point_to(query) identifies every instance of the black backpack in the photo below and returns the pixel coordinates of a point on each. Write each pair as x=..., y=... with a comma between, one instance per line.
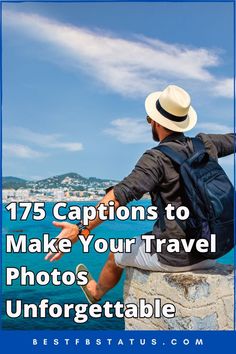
x=209, y=196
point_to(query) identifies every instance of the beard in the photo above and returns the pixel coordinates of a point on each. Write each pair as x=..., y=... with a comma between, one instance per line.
x=154, y=134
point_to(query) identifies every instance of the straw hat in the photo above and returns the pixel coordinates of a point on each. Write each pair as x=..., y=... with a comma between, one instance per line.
x=171, y=108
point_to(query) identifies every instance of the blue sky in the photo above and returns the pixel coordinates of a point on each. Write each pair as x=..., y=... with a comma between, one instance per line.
x=75, y=77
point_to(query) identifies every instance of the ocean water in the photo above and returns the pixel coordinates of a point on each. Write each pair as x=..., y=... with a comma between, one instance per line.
x=64, y=294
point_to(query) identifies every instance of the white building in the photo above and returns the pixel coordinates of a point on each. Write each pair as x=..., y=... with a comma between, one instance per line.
x=8, y=193
x=59, y=194
x=22, y=194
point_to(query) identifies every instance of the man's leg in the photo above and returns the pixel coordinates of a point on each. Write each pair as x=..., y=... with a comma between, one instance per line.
x=109, y=277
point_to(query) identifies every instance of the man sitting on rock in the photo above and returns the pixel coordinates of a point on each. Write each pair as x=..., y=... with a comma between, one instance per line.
x=169, y=114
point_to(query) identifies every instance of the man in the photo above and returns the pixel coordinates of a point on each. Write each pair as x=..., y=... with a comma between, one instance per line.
x=170, y=114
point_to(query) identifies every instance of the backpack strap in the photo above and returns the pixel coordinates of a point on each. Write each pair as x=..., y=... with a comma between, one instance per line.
x=198, y=145
x=177, y=157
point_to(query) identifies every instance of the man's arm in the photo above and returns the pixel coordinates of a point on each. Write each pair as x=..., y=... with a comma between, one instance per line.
x=144, y=178
x=70, y=231
x=224, y=143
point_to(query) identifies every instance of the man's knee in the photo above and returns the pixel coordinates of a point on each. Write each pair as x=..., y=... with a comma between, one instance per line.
x=112, y=262
x=111, y=257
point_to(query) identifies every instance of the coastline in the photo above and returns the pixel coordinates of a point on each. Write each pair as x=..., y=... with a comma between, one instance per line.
x=55, y=200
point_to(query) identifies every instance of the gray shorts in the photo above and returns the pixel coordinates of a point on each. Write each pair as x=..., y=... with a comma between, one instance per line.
x=138, y=258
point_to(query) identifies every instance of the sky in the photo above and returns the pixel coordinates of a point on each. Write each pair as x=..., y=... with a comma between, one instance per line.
x=76, y=75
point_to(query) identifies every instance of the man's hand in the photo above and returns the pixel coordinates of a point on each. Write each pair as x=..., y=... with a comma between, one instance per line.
x=69, y=231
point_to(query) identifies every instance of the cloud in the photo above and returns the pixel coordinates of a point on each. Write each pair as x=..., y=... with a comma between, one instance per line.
x=21, y=151
x=214, y=128
x=49, y=141
x=129, y=131
x=130, y=67
x=69, y=146
x=134, y=131
x=224, y=88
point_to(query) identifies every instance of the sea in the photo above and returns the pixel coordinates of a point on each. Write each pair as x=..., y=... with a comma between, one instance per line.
x=64, y=294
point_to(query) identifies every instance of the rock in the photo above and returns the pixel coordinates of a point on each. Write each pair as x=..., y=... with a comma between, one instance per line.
x=204, y=299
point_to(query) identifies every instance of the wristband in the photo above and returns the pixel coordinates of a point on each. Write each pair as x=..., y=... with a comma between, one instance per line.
x=83, y=230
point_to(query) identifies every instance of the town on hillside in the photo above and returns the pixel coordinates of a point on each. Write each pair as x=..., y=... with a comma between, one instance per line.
x=67, y=187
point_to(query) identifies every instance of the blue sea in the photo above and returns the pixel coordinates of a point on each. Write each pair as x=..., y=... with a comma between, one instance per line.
x=65, y=294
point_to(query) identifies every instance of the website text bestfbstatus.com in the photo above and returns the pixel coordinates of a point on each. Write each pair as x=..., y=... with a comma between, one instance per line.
x=44, y=244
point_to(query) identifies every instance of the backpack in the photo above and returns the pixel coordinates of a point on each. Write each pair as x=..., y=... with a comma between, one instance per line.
x=209, y=196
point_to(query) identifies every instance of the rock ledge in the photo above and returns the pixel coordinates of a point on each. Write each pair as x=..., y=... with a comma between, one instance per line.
x=204, y=299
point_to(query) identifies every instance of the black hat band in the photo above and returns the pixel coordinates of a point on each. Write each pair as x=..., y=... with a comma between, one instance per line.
x=169, y=115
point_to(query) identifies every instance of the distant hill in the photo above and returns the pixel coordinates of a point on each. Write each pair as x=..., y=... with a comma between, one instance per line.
x=71, y=181
x=13, y=182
